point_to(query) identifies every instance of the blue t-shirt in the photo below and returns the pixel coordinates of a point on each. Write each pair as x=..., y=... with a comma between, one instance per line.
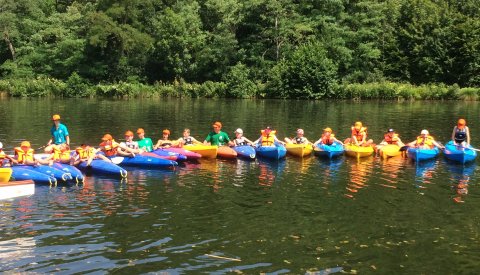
x=59, y=135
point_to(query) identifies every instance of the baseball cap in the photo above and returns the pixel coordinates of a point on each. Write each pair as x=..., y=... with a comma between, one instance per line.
x=166, y=131
x=107, y=137
x=140, y=131
x=25, y=144
x=1, y=145
x=238, y=131
x=328, y=129
x=424, y=132
x=129, y=133
x=300, y=131
x=390, y=130
x=55, y=117
x=218, y=124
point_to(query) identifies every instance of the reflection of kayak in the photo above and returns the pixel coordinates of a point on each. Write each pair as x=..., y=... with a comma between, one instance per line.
x=162, y=153
x=418, y=154
x=356, y=151
x=19, y=173
x=102, y=167
x=48, y=170
x=459, y=153
x=226, y=152
x=299, y=150
x=144, y=162
x=76, y=174
x=189, y=154
x=390, y=150
x=245, y=151
x=329, y=151
x=5, y=174
x=207, y=151
x=271, y=152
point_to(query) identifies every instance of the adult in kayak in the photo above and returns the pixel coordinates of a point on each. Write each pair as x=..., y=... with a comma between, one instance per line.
x=165, y=141
x=4, y=156
x=390, y=137
x=268, y=137
x=59, y=133
x=461, y=133
x=144, y=143
x=240, y=140
x=130, y=144
x=87, y=153
x=187, y=139
x=217, y=136
x=327, y=138
x=298, y=139
x=425, y=141
x=359, y=135
x=110, y=147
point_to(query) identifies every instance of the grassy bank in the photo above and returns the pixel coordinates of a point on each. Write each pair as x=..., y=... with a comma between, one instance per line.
x=48, y=87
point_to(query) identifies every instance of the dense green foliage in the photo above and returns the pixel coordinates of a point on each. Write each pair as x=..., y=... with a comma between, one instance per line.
x=228, y=48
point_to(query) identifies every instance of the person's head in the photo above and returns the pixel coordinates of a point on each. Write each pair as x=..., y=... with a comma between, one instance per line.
x=128, y=135
x=62, y=147
x=217, y=126
x=166, y=133
x=424, y=133
x=390, y=132
x=140, y=133
x=107, y=137
x=327, y=131
x=268, y=130
x=186, y=132
x=300, y=132
x=358, y=125
x=461, y=123
x=84, y=145
x=1, y=146
x=25, y=145
x=56, y=119
x=238, y=133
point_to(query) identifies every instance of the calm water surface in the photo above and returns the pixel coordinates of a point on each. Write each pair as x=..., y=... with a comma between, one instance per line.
x=218, y=216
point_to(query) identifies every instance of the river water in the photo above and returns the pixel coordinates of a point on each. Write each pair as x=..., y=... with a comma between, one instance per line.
x=221, y=216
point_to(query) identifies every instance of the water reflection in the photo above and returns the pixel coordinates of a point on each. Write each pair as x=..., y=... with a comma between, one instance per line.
x=359, y=171
x=460, y=176
x=269, y=171
x=391, y=168
x=424, y=172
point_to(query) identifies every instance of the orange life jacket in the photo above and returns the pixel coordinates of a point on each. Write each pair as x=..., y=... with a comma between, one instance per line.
x=109, y=148
x=328, y=139
x=359, y=133
x=85, y=153
x=428, y=141
x=61, y=155
x=268, y=140
x=391, y=140
x=23, y=156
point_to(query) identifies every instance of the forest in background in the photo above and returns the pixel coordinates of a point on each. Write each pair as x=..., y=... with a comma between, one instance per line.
x=305, y=49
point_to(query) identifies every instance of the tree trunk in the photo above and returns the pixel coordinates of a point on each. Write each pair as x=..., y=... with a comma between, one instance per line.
x=9, y=43
x=277, y=39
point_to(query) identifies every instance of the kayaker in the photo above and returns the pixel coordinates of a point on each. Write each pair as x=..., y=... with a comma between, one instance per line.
x=87, y=153
x=299, y=139
x=390, y=137
x=165, y=142
x=24, y=154
x=217, y=136
x=461, y=133
x=4, y=156
x=144, y=143
x=61, y=153
x=129, y=143
x=268, y=138
x=187, y=139
x=359, y=135
x=59, y=134
x=240, y=140
x=327, y=138
x=425, y=141
x=109, y=147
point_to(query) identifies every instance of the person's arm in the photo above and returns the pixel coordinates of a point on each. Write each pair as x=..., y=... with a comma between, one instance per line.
x=453, y=133
x=68, y=140
x=159, y=143
x=438, y=144
x=468, y=135
x=207, y=140
x=355, y=141
x=277, y=140
x=257, y=141
x=195, y=141
x=249, y=141
x=337, y=140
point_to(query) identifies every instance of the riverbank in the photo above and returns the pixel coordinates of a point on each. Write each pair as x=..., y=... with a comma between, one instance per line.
x=49, y=87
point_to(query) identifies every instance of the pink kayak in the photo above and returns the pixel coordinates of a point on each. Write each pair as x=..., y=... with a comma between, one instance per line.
x=187, y=153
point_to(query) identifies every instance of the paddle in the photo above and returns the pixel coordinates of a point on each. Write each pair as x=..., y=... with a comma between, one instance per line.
x=470, y=148
x=404, y=148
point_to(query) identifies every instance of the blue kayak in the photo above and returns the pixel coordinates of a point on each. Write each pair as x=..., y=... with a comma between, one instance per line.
x=459, y=153
x=162, y=153
x=329, y=151
x=271, y=152
x=245, y=151
x=19, y=173
x=418, y=154
x=144, y=162
x=60, y=175
x=77, y=175
x=102, y=167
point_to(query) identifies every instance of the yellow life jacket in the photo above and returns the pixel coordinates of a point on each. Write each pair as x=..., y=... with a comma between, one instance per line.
x=61, y=155
x=2, y=155
x=268, y=140
x=85, y=153
x=23, y=156
x=428, y=141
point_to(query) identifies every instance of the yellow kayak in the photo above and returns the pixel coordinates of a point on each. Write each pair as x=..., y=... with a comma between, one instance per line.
x=207, y=151
x=299, y=150
x=356, y=151
x=390, y=150
x=5, y=174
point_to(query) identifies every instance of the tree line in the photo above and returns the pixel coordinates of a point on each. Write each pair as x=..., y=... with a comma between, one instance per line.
x=248, y=48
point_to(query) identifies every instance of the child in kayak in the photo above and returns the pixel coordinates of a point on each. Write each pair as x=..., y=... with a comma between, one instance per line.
x=425, y=141
x=299, y=139
x=25, y=154
x=327, y=138
x=268, y=138
x=87, y=153
x=187, y=139
x=390, y=137
x=61, y=153
x=165, y=142
x=144, y=143
x=359, y=135
x=240, y=140
x=4, y=156
x=461, y=133
x=130, y=144
x=109, y=147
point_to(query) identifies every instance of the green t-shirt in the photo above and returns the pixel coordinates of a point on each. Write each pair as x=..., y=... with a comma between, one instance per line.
x=145, y=143
x=218, y=139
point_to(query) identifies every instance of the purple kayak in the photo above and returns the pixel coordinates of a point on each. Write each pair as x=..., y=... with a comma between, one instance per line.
x=189, y=154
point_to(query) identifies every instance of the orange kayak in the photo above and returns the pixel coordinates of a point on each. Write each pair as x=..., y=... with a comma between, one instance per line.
x=226, y=152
